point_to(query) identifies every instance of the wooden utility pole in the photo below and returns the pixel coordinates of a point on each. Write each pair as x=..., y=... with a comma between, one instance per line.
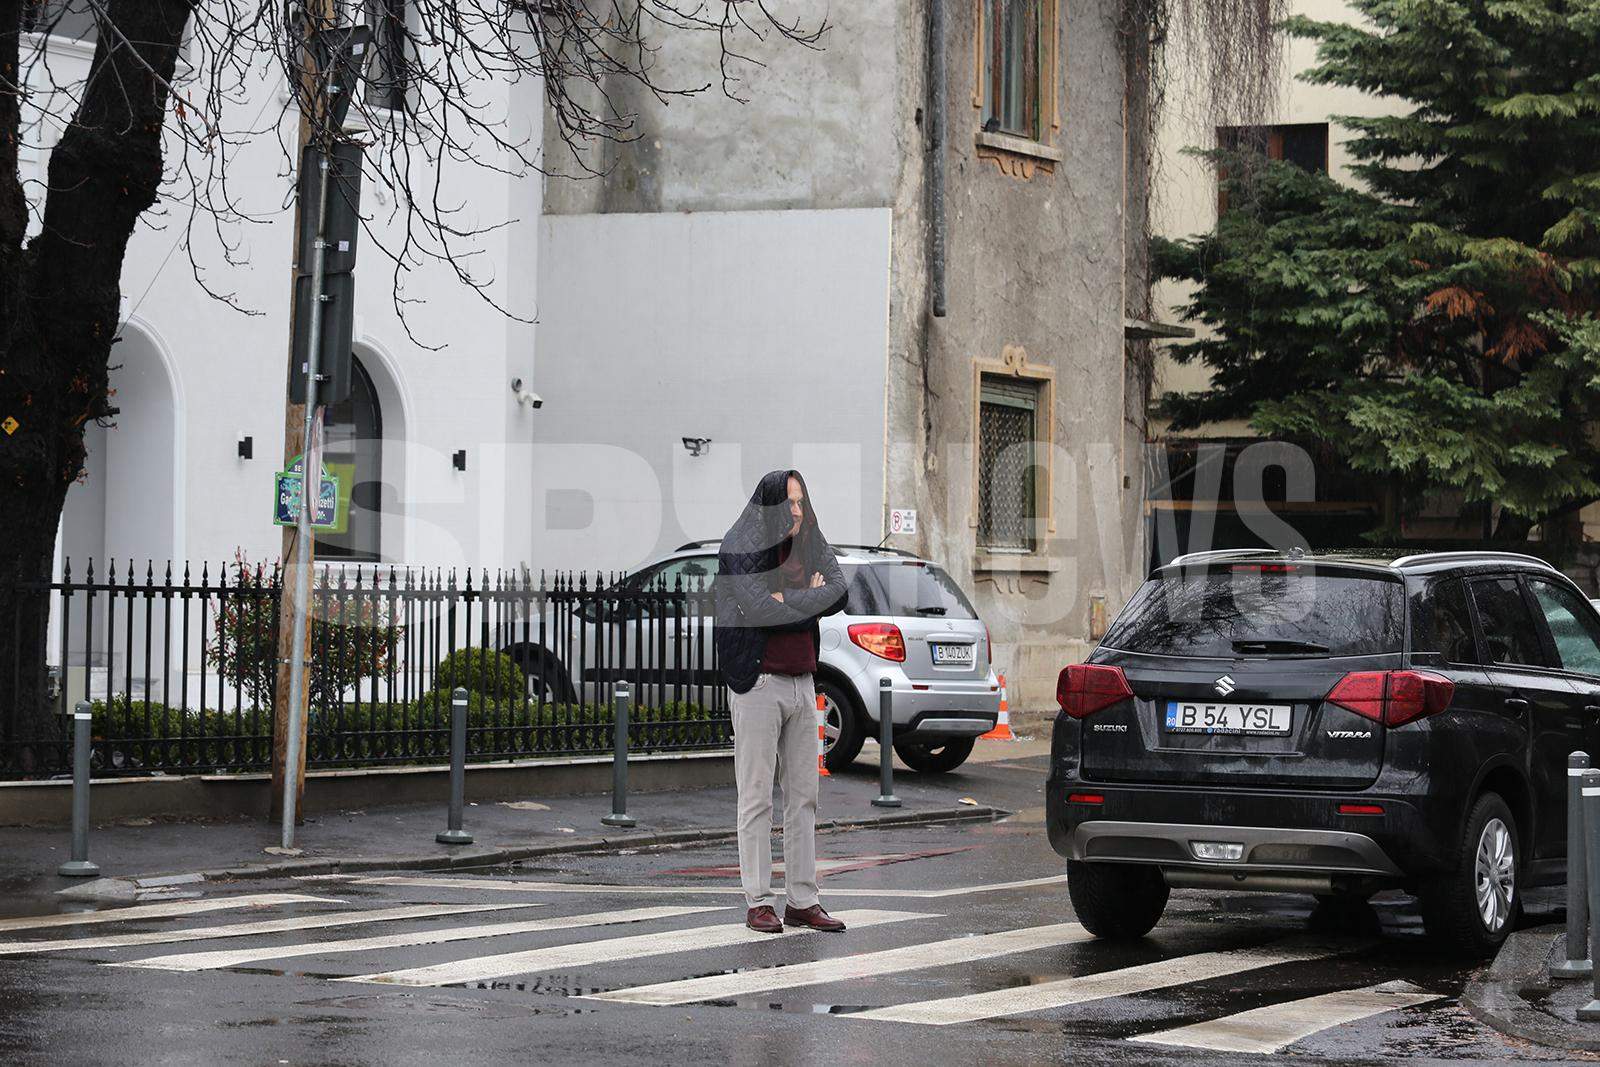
x=319, y=15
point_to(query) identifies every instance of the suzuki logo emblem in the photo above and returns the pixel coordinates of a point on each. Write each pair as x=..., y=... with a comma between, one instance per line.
x=1224, y=685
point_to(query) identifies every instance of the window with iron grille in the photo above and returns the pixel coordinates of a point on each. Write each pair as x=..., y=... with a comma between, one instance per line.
x=386, y=70
x=1008, y=472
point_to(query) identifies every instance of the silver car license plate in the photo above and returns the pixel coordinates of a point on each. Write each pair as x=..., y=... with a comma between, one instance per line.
x=1196, y=717
x=953, y=654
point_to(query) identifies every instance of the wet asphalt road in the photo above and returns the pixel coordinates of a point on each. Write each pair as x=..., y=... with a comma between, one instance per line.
x=272, y=996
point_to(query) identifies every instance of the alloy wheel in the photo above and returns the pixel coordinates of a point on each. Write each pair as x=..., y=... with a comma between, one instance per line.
x=1495, y=875
x=832, y=722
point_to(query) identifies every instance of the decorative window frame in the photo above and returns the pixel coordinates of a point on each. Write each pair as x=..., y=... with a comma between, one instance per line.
x=1020, y=157
x=1013, y=363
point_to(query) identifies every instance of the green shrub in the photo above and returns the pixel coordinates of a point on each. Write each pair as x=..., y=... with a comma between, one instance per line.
x=353, y=636
x=524, y=726
x=481, y=670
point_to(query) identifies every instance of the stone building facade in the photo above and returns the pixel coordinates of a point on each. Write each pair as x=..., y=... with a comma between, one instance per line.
x=764, y=272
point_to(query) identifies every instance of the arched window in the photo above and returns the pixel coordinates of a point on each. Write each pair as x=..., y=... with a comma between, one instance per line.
x=352, y=450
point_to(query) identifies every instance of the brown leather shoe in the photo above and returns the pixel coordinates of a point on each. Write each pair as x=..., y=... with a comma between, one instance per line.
x=812, y=918
x=763, y=920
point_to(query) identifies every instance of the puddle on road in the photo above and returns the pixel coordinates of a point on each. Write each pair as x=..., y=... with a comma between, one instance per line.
x=793, y=1008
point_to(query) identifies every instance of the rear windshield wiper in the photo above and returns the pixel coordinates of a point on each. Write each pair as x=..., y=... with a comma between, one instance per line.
x=1271, y=645
x=933, y=611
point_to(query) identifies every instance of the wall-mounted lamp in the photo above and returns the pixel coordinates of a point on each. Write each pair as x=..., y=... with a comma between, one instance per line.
x=697, y=446
x=247, y=447
x=459, y=460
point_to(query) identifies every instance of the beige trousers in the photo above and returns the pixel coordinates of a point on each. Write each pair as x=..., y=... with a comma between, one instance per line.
x=775, y=728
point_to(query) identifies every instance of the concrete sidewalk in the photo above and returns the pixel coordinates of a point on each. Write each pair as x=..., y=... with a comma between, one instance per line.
x=1517, y=996
x=1000, y=777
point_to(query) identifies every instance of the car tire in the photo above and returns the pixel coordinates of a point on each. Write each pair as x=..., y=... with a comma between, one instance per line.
x=1474, y=907
x=842, y=713
x=1116, y=901
x=933, y=755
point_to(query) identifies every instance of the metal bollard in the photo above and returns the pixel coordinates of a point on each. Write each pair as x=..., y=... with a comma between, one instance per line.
x=1577, y=964
x=1590, y=1012
x=886, y=797
x=619, y=759
x=79, y=866
x=455, y=835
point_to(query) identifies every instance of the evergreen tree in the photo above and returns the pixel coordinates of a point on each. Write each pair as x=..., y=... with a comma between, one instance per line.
x=1435, y=325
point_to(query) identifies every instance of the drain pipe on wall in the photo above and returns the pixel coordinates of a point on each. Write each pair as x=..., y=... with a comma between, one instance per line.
x=938, y=86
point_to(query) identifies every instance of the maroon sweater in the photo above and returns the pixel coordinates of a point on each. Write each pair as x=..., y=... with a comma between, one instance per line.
x=790, y=651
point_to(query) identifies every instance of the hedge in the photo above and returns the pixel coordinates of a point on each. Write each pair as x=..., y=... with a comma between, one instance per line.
x=385, y=733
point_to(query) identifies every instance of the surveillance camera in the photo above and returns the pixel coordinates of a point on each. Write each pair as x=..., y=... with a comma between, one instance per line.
x=697, y=446
x=526, y=396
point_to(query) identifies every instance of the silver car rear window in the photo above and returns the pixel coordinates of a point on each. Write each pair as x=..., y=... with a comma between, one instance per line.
x=905, y=587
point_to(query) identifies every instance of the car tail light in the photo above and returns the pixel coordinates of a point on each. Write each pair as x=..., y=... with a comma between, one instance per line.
x=1085, y=688
x=988, y=647
x=882, y=639
x=1264, y=568
x=1086, y=798
x=1360, y=809
x=1392, y=698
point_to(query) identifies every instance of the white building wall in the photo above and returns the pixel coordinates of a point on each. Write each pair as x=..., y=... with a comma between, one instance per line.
x=170, y=482
x=765, y=331
x=193, y=374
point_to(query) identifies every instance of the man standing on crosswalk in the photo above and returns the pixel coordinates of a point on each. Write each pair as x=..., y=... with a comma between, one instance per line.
x=777, y=576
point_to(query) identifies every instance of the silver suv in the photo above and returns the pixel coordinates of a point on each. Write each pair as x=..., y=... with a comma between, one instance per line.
x=905, y=619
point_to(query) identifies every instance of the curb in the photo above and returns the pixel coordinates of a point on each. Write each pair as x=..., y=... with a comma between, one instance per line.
x=494, y=856
x=1499, y=997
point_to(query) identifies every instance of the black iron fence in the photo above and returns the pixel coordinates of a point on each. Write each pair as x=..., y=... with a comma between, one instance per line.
x=182, y=670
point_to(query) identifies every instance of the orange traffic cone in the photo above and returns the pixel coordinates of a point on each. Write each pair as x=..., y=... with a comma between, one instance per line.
x=822, y=736
x=1002, y=728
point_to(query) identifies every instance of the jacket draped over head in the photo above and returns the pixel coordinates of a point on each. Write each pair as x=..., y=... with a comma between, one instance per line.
x=748, y=574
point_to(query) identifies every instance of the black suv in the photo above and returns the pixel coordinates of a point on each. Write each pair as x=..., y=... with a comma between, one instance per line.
x=1327, y=725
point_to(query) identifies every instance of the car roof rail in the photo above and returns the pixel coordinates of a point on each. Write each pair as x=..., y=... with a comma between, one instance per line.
x=880, y=548
x=698, y=544
x=1218, y=553
x=1487, y=555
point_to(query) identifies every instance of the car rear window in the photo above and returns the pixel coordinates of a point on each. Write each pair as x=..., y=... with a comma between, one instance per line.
x=1262, y=610
x=905, y=587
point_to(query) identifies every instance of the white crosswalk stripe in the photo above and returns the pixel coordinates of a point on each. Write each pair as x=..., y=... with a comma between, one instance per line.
x=219, y=958
x=176, y=908
x=266, y=926
x=865, y=965
x=507, y=885
x=1277, y=1026
x=589, y=953
x=1065, y=991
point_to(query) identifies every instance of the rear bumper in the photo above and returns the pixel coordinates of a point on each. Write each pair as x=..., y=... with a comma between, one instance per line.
x=1264, y=849
x=925, y=706
x=1295, y=834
